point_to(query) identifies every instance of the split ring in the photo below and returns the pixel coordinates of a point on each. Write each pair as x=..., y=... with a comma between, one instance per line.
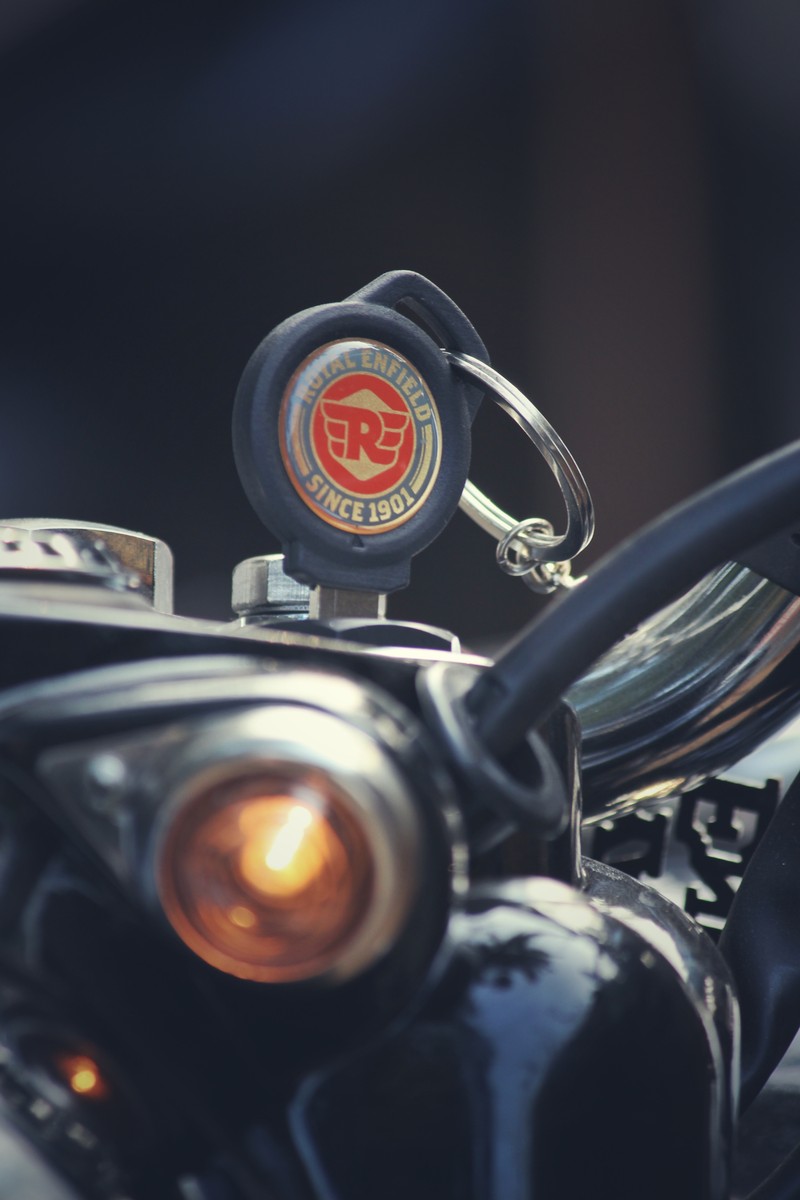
x=540, y=546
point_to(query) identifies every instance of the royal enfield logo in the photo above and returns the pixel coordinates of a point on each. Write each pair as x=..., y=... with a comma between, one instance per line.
x=360, y=436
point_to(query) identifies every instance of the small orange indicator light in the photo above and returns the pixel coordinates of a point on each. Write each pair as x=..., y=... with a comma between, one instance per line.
x=83, y=1080
x=82, y=1075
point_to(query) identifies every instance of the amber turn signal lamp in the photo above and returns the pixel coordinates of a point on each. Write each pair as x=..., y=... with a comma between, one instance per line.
x=267, y=877
x=280, y=871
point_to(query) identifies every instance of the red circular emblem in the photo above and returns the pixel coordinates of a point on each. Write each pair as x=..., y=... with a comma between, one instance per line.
x=360, y=436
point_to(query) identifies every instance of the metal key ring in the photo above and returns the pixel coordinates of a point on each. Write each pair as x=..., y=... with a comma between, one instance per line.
x=580, y=511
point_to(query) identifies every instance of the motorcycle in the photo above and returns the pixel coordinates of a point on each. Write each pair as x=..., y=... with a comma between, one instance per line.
x=297, y=906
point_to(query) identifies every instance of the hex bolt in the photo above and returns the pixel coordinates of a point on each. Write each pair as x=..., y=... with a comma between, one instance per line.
x=262, y=592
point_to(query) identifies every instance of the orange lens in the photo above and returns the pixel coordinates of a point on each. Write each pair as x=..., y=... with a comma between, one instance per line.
x=267, y=877
x=83, y=1075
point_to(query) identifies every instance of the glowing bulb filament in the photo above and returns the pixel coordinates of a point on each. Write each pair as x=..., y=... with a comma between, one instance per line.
x=289, y=839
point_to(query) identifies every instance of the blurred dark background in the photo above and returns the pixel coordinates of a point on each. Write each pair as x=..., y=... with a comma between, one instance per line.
x=611, y=191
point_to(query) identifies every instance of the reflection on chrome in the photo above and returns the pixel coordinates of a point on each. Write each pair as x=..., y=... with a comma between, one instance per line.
x=690, y=692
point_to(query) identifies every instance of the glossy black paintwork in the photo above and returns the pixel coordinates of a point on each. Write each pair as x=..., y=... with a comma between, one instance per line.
x=704, y=975
x=561, y=1057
